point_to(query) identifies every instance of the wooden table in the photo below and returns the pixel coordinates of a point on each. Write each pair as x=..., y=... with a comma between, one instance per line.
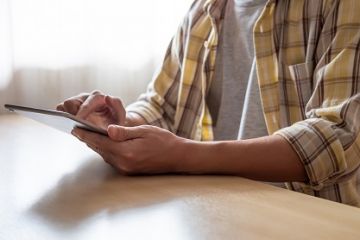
x=53, y=187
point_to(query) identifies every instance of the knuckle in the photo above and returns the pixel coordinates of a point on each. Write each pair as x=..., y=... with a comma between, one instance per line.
x=146, y=129
x=130, y=157
x=96, y=92
x=94, y=99
x=72, y=105
x=97, y=97
x=83, y=96
x=68, y=102
x=118, y=100
x=125, y=165
x=128, y=170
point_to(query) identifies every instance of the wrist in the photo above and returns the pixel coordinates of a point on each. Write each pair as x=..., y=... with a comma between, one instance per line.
x=179, y=154
x=194, y=157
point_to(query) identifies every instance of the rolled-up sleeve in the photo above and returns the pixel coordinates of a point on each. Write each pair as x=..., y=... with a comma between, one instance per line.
x=328, y=153
x=327, y=141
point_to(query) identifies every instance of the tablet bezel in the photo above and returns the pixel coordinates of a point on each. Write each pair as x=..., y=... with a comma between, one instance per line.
x=80, y=123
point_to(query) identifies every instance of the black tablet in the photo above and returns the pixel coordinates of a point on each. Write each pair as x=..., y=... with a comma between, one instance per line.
x=62, y=121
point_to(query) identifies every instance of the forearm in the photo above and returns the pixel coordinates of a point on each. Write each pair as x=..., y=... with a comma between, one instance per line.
x=267, y=159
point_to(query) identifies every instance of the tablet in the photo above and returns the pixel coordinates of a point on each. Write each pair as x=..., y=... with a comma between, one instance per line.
x=62, y=121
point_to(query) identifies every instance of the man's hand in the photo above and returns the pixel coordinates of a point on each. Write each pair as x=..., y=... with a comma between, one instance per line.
x=96, y=108
x=136, y=150
x=149, y=150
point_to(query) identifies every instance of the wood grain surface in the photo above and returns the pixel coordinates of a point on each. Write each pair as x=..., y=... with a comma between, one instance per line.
x=54, y=187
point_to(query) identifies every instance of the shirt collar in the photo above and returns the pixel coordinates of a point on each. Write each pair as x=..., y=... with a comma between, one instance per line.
x=216, y=8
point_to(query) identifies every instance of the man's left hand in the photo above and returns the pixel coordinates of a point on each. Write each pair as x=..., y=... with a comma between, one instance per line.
x=136, y=150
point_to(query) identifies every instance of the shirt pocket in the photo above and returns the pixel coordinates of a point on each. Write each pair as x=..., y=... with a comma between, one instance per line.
x=302, y=75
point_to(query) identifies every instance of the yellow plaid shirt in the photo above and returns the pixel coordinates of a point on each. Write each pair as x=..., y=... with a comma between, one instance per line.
x=308, y=67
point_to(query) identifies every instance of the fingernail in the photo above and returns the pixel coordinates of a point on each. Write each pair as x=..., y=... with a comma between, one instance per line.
x=110, y=129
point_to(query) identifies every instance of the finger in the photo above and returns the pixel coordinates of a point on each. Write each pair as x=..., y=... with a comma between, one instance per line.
x=91, y=104
x=81, y=97
x=108, y=158
x=78, y=100
x=96, y=92
x=117, y=108
x=72, y=106
x=104, y=155
x=94, y=139
x=60, y=107
x=120, y=133
x=96, y=149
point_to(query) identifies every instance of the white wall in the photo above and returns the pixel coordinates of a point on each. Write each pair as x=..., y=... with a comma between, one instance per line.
x=57, y=48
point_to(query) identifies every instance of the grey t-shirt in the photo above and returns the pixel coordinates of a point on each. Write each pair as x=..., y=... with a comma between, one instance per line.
x=233, y=99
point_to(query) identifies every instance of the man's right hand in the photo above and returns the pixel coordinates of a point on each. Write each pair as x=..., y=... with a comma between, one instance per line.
x=95, y=107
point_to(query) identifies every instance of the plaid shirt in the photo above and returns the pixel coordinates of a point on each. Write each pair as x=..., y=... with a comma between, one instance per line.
x=308, y=67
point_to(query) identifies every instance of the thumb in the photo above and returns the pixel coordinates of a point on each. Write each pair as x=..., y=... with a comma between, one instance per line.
x=120, y=133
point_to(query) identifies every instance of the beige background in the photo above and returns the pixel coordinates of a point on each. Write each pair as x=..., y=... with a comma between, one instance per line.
x=51, y=50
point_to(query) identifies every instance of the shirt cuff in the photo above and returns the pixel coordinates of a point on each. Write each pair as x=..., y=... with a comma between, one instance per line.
x=321, y=152
x=148, y=112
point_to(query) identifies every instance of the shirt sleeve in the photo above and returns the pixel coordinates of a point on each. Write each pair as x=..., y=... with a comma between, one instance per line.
x=157, y=106
x=327, y=141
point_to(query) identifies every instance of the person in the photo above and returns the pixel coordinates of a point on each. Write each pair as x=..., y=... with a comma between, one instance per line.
x=274, y=83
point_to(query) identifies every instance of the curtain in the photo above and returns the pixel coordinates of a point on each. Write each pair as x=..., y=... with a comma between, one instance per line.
x=54, y=49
